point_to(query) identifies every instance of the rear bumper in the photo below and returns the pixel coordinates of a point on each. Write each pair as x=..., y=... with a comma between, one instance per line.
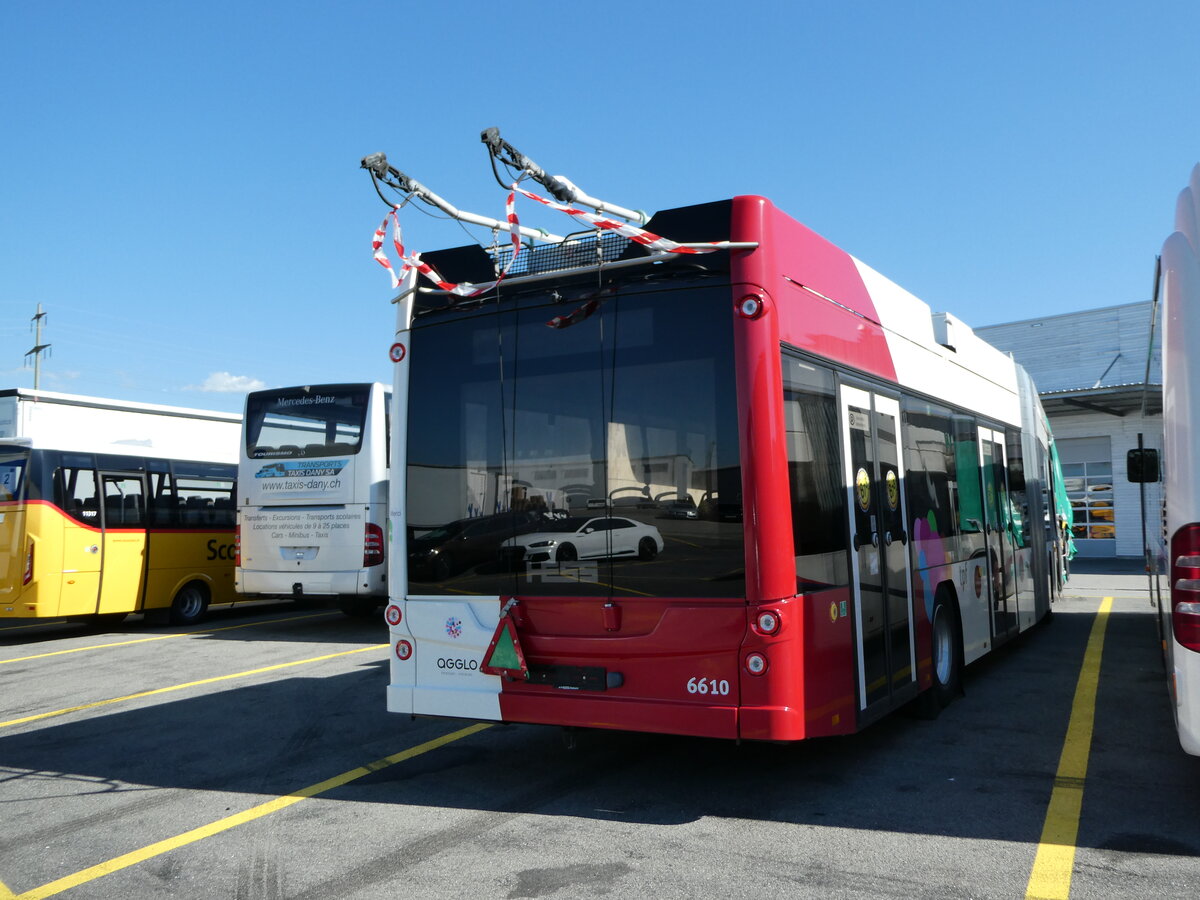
x=1187, y=699
x=361, y=583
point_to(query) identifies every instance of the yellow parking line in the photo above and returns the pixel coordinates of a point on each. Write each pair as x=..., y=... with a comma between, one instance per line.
x=160, y=637
x=1055, y=860
x=5, y=893
x=180, y=687
x=249, y=815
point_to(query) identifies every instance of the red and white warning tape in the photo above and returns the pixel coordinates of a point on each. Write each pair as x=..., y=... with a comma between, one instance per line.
x=632, y=232
x=468, y=289
x=414, y=261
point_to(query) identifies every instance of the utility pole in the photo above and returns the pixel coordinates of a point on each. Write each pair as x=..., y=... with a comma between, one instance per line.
x=38, y=348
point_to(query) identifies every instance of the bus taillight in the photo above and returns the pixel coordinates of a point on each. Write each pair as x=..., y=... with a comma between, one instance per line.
x=237, y=545
x=372, y=546
x=28, y=576
x=1185, y=586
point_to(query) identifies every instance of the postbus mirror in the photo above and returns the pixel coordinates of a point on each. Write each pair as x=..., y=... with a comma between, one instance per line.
x=1141, y=466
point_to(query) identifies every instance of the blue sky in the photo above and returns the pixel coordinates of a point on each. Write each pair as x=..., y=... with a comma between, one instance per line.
x=179, y=182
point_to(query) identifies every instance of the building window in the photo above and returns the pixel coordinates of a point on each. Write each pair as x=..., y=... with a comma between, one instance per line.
x=1088, y=478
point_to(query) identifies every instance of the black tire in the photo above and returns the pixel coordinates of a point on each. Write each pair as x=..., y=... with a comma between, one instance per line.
x=566, y=553
x=946, y=651
x=647, y=549
x=358, y=607
x=190, y=604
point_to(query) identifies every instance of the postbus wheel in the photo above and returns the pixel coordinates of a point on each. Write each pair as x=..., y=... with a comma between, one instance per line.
x=189, y=604
x=946, y=651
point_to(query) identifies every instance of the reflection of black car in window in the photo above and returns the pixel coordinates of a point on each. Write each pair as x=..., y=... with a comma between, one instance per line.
x=465, y=543
x=683, y=507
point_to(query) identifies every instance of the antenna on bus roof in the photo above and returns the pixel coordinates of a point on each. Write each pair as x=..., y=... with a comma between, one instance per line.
x=562, y=188
x=390, y=176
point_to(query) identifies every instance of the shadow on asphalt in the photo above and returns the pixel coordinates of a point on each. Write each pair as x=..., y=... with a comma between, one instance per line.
x=983, y=770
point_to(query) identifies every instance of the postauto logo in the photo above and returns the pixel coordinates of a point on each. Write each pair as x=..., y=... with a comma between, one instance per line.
x=301, y=468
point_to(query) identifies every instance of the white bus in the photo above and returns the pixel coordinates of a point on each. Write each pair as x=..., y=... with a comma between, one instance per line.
x=109, y=508
x=312, y=497
x=1177, y=591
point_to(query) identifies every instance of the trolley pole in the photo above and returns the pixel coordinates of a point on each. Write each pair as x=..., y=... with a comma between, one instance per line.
x=38, y=347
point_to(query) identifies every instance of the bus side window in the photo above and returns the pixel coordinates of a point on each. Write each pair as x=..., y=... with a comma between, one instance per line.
x=77, y=495
x=163, y=507
x=818, y=499
x=199, y=511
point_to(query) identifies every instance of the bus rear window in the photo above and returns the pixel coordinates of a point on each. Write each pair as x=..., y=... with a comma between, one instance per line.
x=319, y=421
x=12, y=474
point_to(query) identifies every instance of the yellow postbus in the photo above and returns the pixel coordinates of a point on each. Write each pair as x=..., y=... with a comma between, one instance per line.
x=109, y=508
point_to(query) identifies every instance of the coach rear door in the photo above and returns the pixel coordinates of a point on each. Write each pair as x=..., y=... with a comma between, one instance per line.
x=882, y=588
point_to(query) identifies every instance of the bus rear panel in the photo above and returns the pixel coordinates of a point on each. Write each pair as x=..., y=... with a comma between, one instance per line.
x=312, y=495
x=742, y=495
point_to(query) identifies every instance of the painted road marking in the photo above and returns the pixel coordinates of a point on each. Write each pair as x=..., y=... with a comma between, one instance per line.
x=161, y=637
x=255, y=812
x=180, y=687
x=5, y=893
x=1055, y=860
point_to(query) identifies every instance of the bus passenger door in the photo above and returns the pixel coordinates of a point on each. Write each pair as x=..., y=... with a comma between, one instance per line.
x=81, y=545
x=998, y=531
x=882, y=586
x=123, y=564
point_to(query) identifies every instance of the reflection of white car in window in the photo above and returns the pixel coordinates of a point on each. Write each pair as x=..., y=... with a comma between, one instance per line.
x=581, y=537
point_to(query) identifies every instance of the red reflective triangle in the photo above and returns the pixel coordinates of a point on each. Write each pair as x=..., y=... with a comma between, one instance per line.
x=503, y=655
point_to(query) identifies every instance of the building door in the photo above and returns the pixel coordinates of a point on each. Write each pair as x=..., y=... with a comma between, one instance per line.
x=879, y=549
x=1088, y=478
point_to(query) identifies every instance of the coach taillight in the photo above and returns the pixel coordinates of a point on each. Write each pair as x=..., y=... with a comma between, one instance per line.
x=1185, y=586
x=372, y=546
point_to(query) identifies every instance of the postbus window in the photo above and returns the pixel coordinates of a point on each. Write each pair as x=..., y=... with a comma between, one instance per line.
x=205, y=502
x=819, y=527
x=124, y=501
x=12, y=472
x=78, y=496
x=164, y=505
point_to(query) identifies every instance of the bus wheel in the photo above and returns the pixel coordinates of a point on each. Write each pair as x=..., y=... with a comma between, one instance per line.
x=647, y=549
x=358, y=607
x=189, y=604
x=947, y=659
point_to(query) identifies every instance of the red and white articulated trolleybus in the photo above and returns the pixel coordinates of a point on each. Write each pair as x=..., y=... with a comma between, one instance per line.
x=1177, y=589
x=758, y=493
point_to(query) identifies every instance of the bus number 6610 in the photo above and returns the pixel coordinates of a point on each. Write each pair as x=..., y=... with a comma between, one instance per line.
x=708, y=686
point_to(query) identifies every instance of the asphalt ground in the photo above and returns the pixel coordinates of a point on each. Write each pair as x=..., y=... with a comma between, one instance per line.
x=251, y=757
